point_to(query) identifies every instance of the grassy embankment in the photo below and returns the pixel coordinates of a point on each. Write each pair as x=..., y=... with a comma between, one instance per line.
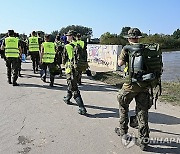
x=170, y=90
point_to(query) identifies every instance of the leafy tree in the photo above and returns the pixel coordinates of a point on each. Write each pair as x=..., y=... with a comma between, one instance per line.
x=2, y=35
x=112, y=39
x=84, y=31
x=53, y=35
x=176, y=34
x=124, y=31
x=165, y=41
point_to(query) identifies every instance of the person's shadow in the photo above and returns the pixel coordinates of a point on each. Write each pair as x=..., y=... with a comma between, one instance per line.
x=55, y=87
x=160, y=118
x=86, y=86
x=164, y=144
x=109, y=112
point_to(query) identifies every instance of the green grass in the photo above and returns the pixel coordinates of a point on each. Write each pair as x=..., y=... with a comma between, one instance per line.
x=170, y=90
x=111, y=78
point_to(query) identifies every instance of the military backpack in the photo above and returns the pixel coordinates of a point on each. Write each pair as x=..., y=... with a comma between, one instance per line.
x=145, y=66
x=80, y=60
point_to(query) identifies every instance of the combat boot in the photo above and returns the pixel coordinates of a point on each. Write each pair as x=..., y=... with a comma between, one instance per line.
x=120, y=132
x=123, y=134
x=142, y=144
x=133, y=122
x=79, y=101
x=67, y=98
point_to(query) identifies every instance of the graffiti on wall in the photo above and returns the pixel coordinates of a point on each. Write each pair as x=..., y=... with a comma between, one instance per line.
x=103, y=54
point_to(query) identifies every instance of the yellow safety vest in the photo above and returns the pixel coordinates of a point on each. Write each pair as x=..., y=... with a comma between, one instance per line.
x=70, y=52
x=49, y=52
x=81, y=43
x=33, y=44
x=11, y=47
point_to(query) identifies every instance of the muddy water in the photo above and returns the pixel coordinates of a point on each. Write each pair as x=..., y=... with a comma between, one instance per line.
x=171, y=67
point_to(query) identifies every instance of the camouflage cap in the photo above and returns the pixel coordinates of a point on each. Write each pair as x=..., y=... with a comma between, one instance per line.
x=134, y=33
x=47, y=36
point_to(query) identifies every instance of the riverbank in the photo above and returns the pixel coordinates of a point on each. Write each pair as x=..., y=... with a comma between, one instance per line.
x=170, y=50
x=170, y=90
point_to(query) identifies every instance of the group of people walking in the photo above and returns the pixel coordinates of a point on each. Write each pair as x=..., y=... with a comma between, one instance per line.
x=51, y=55
x=143, y=69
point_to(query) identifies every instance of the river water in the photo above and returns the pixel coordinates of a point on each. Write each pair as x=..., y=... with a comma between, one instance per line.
x=171, y=68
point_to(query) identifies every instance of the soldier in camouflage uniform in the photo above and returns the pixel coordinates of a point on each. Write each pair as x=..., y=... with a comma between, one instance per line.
x=126, y=95
x=83, y=64
x=59, y=52
x=71, y=73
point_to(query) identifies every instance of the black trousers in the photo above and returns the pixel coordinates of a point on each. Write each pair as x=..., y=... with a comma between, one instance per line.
x=12, y=65
x=35, y=59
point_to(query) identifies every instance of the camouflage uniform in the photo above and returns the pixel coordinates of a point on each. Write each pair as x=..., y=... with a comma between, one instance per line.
x=143, y=104
x=71, y=77
x=82, y=58
x=71, y=81
x=59, y=52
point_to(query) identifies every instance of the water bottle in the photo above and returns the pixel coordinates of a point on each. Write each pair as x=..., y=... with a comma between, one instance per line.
x=23, y=58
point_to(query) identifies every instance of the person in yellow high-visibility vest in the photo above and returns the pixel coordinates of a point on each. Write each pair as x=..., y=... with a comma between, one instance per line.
x=71, y=73
x=34, y=48
x=12, y=52
x=47, y=56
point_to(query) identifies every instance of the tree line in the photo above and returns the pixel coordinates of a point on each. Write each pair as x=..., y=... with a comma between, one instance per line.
x=165, y=41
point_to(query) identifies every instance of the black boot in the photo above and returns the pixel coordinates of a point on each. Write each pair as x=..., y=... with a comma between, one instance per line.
x=79, y=101
x=51, y=81
x=14, y=81
x=15, y=84
x=142, y=144
x=67, y=98
x=9, y=80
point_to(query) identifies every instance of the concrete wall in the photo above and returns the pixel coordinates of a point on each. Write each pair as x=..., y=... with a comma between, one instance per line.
x=104, y=55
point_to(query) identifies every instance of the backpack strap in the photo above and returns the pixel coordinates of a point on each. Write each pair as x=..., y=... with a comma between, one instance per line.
x=72, y=45
x=75, y=54
x=159, y=92
x=152, y=94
